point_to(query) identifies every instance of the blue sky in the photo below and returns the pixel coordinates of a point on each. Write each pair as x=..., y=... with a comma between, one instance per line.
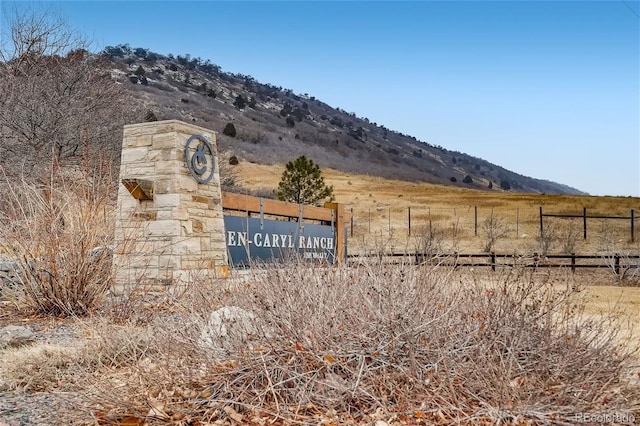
x=544, y=88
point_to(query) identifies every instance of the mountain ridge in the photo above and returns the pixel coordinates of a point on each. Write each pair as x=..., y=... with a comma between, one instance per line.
x=273, y=125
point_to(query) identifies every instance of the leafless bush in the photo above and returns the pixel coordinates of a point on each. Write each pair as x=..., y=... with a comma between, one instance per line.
x=381, y=244
x=357, y=343
x=606, y=237
x=547, y=238
x=255, y=137
x=230, y=179
x=55, y=94
x=569, y=236
x=495, y=228
x=624, y=267
x=59, y=236
x=429, y=241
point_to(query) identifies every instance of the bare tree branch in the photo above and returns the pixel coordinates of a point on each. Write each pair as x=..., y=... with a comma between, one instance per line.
x=55, y=93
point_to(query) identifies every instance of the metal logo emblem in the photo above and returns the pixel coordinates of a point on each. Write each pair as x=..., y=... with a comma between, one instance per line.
x=198, y=154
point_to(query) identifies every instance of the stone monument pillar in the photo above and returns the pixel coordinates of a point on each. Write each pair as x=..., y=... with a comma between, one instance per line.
x=169, y=223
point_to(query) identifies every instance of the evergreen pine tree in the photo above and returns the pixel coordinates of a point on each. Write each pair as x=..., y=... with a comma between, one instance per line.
x=302, y=183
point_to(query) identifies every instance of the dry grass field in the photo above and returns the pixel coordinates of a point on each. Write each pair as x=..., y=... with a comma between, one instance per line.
x=381, y=215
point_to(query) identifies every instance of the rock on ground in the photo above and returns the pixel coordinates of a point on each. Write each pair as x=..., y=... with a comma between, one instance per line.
x=14, y=336
x=229, y=327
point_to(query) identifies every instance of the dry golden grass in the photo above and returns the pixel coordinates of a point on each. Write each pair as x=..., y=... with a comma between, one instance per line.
x=625, y=301
x=380, y=209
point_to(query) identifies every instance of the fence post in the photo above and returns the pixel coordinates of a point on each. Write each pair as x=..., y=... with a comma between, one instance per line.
x=409, y=221
x=475, y=214
x=584, y=221
x=341, y=233
x=493, y=261
x=352, y=221
x=517, y=222
x=541, y=225
x=633, y=239
x=573, y=262
x=616, y=264
x=389, y=220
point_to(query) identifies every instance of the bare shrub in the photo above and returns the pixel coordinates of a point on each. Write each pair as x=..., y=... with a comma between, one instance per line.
x=54, y=95
x=230, y=179
x=548, y=237
x=116, y=346
x=357, y=343
x=254, y=137
x=429, y=241
x=625, y=268
x=381, y=244
x=606, y=237
x=59, y=236
x=495, y=228
x=569, y=236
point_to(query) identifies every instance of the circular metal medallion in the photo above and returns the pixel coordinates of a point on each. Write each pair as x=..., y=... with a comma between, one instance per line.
x=198, y=154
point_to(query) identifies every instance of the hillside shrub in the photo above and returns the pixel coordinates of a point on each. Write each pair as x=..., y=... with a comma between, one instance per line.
x=299, y=113
x=467, y=179
x=240, y=102
x=290, y=122
x=230, y=130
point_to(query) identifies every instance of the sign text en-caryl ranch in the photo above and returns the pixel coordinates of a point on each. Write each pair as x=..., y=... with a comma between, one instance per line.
x=267, y=240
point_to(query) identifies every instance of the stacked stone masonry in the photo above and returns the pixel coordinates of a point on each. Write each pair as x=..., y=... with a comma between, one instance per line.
x=177, y=235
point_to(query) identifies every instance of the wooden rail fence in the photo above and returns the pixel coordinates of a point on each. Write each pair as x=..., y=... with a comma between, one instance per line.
x=618, y=263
